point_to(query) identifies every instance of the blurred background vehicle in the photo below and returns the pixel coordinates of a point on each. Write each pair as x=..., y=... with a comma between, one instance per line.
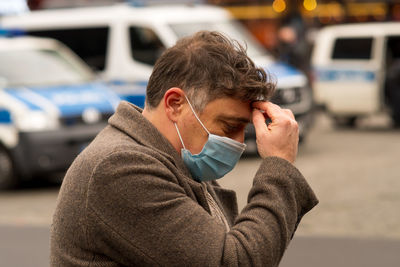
x=357, y=70
x=122, y=42
x=50, y=108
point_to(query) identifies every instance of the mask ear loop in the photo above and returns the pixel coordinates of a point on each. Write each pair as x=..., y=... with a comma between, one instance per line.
x=190, y=105
x=179, y=134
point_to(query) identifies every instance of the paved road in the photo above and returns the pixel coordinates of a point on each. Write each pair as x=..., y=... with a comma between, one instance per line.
x=355, y=173
x=28, y=246
x=24, y=246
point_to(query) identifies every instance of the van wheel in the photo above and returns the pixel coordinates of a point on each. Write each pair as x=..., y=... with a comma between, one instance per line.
x=392, y=90
x=394, y=104
x=348, y=122
x=7, y=176
x=396, y=119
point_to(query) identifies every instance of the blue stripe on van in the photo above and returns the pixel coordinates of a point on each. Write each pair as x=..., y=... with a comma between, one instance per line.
x=282, y=70
x=69, y=99
x=5, y=116
x=133, y=92
x=334, y=75
x=74, y=99
x=19, y=95
x=137, y=100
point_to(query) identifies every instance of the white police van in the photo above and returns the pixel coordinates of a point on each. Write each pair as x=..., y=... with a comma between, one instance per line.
x=122, y=42
x=50, y=108
x=357, y=70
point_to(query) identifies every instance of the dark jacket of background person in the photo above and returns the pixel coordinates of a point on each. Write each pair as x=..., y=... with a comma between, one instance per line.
x=128, y=199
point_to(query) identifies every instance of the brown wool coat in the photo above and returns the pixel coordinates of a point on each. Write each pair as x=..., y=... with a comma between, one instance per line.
x=128, y=200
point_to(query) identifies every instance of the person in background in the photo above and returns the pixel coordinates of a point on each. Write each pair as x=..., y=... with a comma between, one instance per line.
x=144, y=192
x=293, y=46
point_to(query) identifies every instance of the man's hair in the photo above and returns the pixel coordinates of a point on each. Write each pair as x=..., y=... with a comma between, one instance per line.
x=208, y=66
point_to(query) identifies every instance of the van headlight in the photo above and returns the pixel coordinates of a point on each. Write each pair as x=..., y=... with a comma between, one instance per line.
x=287, y=96
x=36, y=121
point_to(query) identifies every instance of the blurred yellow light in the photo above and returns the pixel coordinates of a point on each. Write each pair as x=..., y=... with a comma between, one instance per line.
x=279, y=5
x=252, y=12
x=310, y=4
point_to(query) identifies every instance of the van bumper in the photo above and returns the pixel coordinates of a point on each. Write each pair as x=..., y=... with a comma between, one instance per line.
x=51, y=151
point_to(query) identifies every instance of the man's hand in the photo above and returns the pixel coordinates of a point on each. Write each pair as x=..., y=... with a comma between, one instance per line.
x=280, y=137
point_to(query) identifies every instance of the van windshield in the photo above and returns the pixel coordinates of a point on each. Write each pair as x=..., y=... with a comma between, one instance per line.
x=231, y=28
x=38, y=68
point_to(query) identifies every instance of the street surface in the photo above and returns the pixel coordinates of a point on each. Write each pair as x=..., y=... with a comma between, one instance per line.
x=354, y=172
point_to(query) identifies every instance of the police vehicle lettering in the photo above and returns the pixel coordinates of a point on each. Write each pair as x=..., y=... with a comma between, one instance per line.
x=66, y=100
x=338, y=75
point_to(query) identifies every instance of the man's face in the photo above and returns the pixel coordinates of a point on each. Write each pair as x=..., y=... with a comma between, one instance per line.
x=224, y=117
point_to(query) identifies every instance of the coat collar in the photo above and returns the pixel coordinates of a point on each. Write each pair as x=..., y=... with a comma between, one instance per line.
x=128, y=118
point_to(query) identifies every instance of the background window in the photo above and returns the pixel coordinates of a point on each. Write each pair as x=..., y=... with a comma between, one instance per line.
x=146, y=47
x=352, y=48
x=88, y=43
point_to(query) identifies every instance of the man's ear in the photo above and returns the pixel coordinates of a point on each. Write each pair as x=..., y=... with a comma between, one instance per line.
x=174, y=99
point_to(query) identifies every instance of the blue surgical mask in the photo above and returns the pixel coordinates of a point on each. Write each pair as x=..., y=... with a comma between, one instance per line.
x=218, y=156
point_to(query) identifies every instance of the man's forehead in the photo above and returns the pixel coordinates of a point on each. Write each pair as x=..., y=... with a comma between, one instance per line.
x=229, y=109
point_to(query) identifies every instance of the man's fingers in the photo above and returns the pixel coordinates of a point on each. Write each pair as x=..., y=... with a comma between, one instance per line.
x=270, y=109
x=290, y=113
x=259, y=121
x=278, y=138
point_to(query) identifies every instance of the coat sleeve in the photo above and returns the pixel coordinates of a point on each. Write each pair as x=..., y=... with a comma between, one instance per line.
x=138, y=215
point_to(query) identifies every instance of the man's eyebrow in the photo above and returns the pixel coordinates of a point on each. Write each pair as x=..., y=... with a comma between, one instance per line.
x=233, y=118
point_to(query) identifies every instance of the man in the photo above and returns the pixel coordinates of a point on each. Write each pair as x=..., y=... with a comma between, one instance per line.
x=143, y=193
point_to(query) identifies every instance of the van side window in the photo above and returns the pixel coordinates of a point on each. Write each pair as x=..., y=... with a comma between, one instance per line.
x=352, y=48
x=88, y=43
x=146, y=47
